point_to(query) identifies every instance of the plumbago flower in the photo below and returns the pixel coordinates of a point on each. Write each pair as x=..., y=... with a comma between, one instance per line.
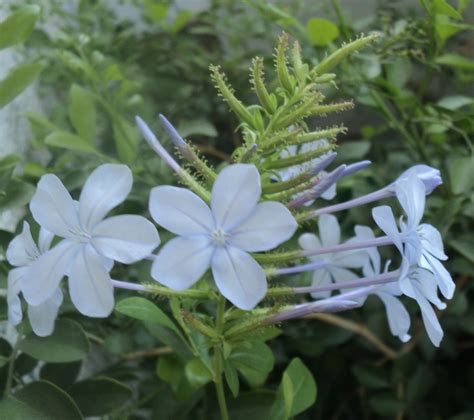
x=397, y=315
x=220, y=237
x=21, y=253
x=422, y=285
x=421, y=244
x=91, y=243
x=335, y=265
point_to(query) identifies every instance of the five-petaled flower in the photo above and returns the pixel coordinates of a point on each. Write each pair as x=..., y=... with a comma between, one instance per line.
x=91, y=243
x=220, y=237
x=397, y=315
x=421, y=244
x=21, y=253
x=335, y=264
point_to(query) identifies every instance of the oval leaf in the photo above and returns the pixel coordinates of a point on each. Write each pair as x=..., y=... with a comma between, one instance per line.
x=321, y=32
x=144, y=310
x=68, y=343
x=69, y=141
x=99, y=396
x=16, y=27
x=17, y=81
x=46, y=399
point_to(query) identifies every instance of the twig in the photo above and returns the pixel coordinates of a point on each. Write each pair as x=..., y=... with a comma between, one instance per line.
x=158, y=351
x=360, y=329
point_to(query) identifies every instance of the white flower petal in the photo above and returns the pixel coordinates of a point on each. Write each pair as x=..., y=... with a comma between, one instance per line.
x=309, y=242
x=350, y=259
x=48, y=271
x=238, y=277
x=182, y=261
x=383, y=216
x=321, y=278
x=22, y=250
x=269, y=225
x=330, y=193
x=364, y=233
x=397, y=316
x=43, y=316
x=45, y=239
x=15, y=278
x=426, y=283
x=235, y=194
x=53, y=208
x=411, y=195
x=431, y=241
x=107, y=186
x=430, y=320
x=445, y=282
x=126, y=238
x=430, y=177
x=329, y=230
x=180, y=211
x=90, y=286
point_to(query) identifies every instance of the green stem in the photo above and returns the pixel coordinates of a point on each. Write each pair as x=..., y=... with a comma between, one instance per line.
x=218, y=360
x=11, y=365
x=218, y=380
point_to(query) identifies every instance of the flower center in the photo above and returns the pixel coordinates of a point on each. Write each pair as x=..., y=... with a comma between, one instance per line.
x=81, y=236
x=219, y=237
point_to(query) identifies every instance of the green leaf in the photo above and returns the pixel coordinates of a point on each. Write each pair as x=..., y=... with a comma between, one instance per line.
x=197, y=373
x=254, y=360
x=17, y=80
x=321, y=32
x=99, y=396
x=60, y=374
x=169, y=369
x=454, y=102
x=69, y=141
x=231, y=378
x=288, y=394
x=442, y=7
x=68, y=343
x=303, y=386
x=16, y=194
x=82, y=112
x=461, y=172
x=9, y=162
x=46, y=400
x=198, y=127
x=446, y=28
x=144, y=310
x=465, y=246
x=457, y=61
x=16, y=27
x=170, y=338
x=126, y=140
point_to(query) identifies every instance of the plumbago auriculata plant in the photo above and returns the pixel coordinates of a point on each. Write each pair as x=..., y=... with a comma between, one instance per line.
x=224, y=271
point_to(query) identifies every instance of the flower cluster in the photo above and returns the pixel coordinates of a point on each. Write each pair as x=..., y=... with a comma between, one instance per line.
x=230, y=224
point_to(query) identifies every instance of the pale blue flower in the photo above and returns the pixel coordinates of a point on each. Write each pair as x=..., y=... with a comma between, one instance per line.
x=91, y=242
x=397, y=315
x=220, y=237
x=422, y=285
x=21, y=253
x=421, y=244
x=335, y=264
x=431, y=177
